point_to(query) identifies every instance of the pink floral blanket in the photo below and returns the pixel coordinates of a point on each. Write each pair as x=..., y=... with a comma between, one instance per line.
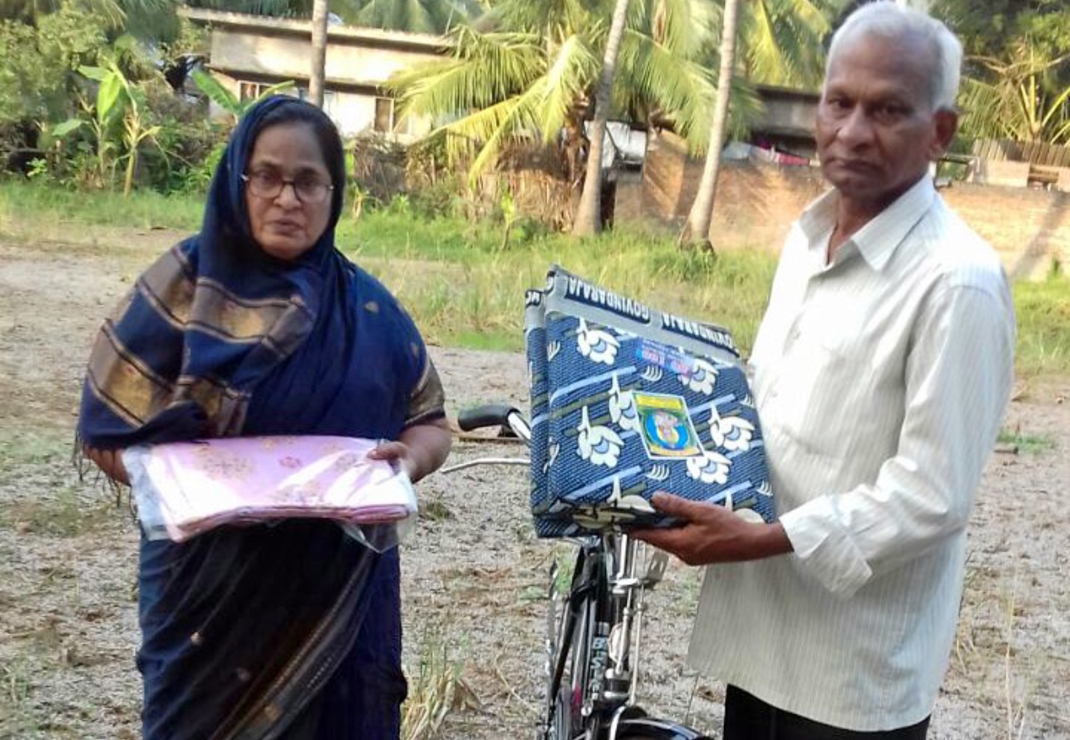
x=186, y=488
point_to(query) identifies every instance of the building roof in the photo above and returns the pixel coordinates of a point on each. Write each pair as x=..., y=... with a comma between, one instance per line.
x=338, y=34
x=777, y=92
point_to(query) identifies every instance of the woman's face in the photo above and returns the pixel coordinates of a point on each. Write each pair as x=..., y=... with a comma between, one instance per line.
x=287, y=190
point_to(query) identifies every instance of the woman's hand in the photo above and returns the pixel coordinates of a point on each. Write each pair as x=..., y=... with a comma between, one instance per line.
x=110, y=463
x=420, y=450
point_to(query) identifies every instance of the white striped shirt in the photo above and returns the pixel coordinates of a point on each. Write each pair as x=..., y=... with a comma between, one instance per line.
x=881, y=380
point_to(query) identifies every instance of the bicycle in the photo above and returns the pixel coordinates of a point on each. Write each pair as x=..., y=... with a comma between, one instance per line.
x=594, y=627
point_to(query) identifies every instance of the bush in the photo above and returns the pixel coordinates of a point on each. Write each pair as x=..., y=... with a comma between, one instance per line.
x=190, y=144
x=37, y=78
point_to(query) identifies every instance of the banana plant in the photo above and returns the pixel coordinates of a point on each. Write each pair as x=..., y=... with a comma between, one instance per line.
x=135, y=132
x=100, y=117
x=218, y=93
x=117, y=120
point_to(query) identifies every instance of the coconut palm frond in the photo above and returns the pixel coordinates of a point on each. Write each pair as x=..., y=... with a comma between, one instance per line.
x=485, y=69
x=781, y=41
x=568, y=77
x=414, y=16
x=676, y=24
x=485, y=132
x=765, y=59
x=651, y=76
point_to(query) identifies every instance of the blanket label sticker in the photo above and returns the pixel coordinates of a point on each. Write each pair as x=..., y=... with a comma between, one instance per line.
x=667, y=358
x=665, y=427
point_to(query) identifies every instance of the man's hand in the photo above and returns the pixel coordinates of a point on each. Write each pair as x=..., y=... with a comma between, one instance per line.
x=712, y=534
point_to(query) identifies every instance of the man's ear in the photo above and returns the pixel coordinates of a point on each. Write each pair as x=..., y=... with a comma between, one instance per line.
x=946, y=123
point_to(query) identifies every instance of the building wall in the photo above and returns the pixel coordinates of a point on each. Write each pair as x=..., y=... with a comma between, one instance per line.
x=288, y=57
x=353, y=72
x=787, y=112
x=756, y=205
x=353, y=113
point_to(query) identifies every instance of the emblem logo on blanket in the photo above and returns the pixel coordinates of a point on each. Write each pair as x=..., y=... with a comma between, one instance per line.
x=627, y=401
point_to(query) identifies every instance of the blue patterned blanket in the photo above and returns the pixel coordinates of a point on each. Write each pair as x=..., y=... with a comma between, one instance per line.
x=627, y=401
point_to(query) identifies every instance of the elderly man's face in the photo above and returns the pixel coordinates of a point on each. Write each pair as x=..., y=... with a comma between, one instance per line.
x=876, y=130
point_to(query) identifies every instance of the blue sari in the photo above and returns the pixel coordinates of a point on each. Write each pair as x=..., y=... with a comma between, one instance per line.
x=288, y=631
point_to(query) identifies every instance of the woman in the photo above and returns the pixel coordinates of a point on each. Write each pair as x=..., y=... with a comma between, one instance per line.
x=258, y=326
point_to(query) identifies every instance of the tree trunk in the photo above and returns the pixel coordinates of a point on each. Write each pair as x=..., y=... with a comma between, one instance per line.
x=696, y=231
x=589, y=214
x=319, y=52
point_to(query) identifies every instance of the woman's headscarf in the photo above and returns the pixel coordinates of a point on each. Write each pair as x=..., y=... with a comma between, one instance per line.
x=214, y=315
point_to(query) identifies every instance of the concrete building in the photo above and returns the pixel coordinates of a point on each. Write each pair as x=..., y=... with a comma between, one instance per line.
x=250, y=53
x=786, y=121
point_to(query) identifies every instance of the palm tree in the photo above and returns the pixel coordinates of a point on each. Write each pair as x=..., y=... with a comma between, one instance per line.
x=1019, y=98
x=589, y=214
x=277, y=8
x=697, y=228
x=422, y=16
x=414, y=16
x=319, y=53
x=118, y=15
x=527, y=77
x=782, y=41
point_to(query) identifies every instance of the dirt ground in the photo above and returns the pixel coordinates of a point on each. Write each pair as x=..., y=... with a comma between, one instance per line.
x=474, y=575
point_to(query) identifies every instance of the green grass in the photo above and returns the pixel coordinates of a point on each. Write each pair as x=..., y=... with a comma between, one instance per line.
x=465, y=287
x=1028, y=443
x=67, y=508
x=1042, y=310
x=24, y=206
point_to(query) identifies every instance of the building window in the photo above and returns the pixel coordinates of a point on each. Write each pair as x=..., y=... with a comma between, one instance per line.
x=328, y=98
x=250, y=90
x=384, y=115
x=253, y=90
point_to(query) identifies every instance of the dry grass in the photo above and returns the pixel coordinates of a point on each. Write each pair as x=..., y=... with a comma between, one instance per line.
x=437, y=689
x=1015, y=696
x=988, y=636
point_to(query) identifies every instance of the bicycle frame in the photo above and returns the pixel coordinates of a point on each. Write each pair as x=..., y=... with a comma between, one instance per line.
x=594, y=636
x=594, y=629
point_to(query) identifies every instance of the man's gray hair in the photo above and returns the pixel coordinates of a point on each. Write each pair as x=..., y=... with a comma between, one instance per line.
x=890, y=20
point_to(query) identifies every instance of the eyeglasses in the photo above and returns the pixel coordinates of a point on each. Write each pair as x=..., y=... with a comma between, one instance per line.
x=268, y=185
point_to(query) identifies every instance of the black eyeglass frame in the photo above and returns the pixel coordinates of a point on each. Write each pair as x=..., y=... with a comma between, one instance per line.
x=328, y=188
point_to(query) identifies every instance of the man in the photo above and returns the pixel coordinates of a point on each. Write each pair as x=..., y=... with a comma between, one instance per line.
x=881, y=372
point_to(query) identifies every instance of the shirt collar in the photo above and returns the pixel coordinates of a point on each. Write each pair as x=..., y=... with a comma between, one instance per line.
x=878, y=239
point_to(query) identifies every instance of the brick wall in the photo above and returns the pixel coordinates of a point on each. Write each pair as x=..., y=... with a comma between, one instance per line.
x=756, y=204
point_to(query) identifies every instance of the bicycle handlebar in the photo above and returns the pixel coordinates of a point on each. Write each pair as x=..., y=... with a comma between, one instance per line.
x=489, y=415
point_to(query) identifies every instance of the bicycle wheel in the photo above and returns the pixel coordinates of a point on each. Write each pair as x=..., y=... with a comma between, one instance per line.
x=564, y=723
x=650, y=728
